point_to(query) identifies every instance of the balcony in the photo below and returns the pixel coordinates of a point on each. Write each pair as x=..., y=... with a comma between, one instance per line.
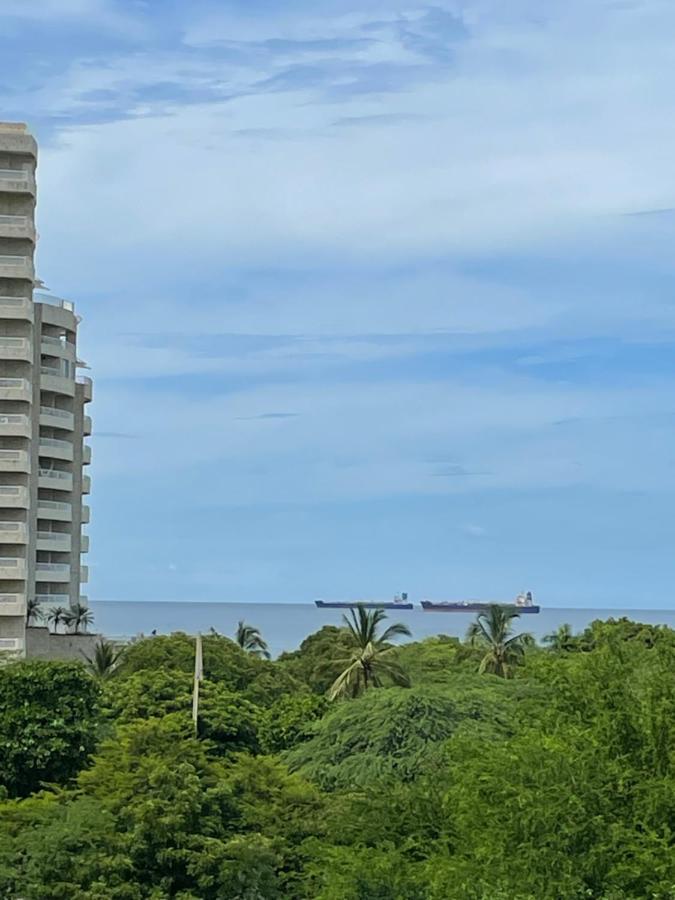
x=54, y=346
x=55, y=380
x=12, y=605
x=15, y=348
x=58, y=572
x=86, y=455
x=86, y=514
x=86, y=426
x=53, y=599
x=57, y=312
x=13, y=533
x=16, y=308
x=17, y=181
x=84, y=574
x=17, y=267
x=56, y=418
x=53, y=540
x=13, y=496
x=55, y=479
x=84, y=543
x=15, y=425
x=15, y=389
x=86, y=484
x=17, y=227
x=14, y=461
x=56, y=449
x=87, y=387
x=12, y=568
x=54, y=510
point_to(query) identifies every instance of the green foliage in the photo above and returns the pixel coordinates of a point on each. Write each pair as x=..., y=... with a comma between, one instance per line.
x=248, y=637
x=314, y=662
x=558, y=784
x=48, y=723
x=291, y=720
x=370, y=661
x=393, y=734
x=105, y=659
x=492, y=633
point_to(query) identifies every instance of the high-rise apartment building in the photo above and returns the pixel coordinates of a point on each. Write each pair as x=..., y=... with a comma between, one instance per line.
x=43, y=421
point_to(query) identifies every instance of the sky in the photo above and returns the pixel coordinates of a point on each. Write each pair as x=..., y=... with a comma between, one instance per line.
x=377, y=296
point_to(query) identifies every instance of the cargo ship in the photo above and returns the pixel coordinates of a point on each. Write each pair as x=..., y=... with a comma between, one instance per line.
x=522, y=604
x=399, y=602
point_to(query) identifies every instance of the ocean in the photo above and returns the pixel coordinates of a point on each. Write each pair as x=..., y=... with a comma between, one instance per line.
x=285, y=625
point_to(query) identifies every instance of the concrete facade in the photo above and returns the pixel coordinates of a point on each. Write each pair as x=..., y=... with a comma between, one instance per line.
x=42, y=415
x=42, y=644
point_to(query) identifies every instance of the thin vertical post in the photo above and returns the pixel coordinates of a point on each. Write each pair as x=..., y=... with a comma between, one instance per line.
x=199, y=675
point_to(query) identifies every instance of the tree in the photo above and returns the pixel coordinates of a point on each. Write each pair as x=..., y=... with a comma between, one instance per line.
x=48, y=723
x=79, y=615
x=249, y=639
x=493, y=632
x=562, y=640
x=105, y=660
x=33, y=611
x=57, y=616
x=370, y=660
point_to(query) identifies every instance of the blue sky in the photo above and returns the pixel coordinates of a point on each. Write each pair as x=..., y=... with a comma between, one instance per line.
x=378, y=296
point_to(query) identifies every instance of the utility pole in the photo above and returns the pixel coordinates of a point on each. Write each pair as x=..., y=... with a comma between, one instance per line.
x=199, y=675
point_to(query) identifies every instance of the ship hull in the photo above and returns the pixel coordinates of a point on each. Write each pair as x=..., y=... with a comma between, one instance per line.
x=427, y=606
x=324, y=604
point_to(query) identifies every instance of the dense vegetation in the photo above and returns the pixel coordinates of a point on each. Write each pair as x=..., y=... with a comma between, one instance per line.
x=504, y=771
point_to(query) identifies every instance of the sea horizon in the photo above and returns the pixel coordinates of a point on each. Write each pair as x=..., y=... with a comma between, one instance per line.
x=285, y=625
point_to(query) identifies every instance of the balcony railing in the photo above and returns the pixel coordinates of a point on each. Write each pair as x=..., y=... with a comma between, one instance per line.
x=13, y=175
x=56, y=444
x=57, y=413
x=14, y=424
x=14, y=220
x=56, y=599
x=54, y=473
x=56, y=568
x=15, y=348
x=55, y=505
x=14, y=461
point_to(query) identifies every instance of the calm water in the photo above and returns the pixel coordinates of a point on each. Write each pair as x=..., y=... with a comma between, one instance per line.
x=284, y=625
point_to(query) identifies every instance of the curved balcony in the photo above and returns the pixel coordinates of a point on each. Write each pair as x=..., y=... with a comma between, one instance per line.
x=84, y=574
x=15, y=389
x=54, y=346
x=87, y=387
x=17, y=181
x=58, y=572
x=54, y=510
x=53, y=599
x=15, y=425
x=86, y=426
x=86, y=484
x=57, y=312
x=16, y=308
x=53, y=540
x=15, y=348
x=86, y=514
x=14, y=461
x=17, y=227
x=13, y=533
x=86, y=455
x=55, y=381
x=12, y=568
x=56, y=449
x=57, y=418
x=55, y=479
x=84, y=543
x=13, y=496
x=17, y=267
x=12, y=604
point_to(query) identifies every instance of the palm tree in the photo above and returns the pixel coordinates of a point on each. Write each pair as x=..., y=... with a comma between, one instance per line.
x=249, y=638
x=33, y=611
x=371, y=654
x=78, y=615
x=57, y=616
x=105, y=660
x=493, y=631
x=562, y=640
